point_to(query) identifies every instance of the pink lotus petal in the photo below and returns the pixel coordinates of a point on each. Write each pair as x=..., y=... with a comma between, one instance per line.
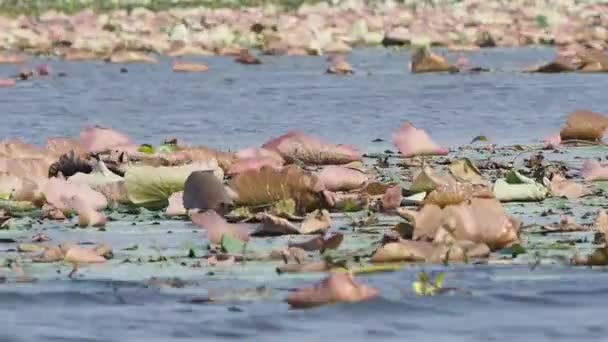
x=594, y=171
x=217, y=226
x=79, y=255
x=44, y=70
x=59, y=192
x=87, y=216
x=99, y=139
x=255, y=152
x=299, y=146
x=338, y=287
x=340, y=178
x=412, y=141
x=254, y=163
x=553, y=141
x=392, y=198
x=61, y=146
x=7, y=83
x=176, y=205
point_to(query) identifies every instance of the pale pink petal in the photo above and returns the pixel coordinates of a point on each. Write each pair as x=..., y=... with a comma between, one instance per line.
x=392, y=198
x=99, y=139
x=217, y=226
x=299, y=146
x=553, y=141
x=7, y=82
x=412, y=141
x=338, y=287
x=61, y=146
x=339, y=178
x=87, y=216
x=79, y=255
x=59, y=191
x=594, y=171
x=176, y=205
x=254, y=163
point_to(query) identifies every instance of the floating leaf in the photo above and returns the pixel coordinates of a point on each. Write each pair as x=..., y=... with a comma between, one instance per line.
x=479, y=138
x=231, y=245
x=465, y=170
x=146, y=149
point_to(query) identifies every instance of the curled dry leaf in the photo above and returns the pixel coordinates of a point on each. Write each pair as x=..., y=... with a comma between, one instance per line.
x=289, y=254
x=426, y=221
x=217, y=226
x=179, y=66
x=457, y=193
x=464, y=170
x=316, y=222
x=404, y=250
x=320, y=243
x=203, y=190
x=337, y=288
x=424, y=60
x=100, y=139
x=339, y=66
x=176, y=205
x=427, y=180
x=566, y=223
x=392, y=198
x=298, y=146
x=313, y=267
x=594, y=171
x=51, y=212
x=412, y=142
x=601, y=223
x=268, y=185
x=16, y=188
x=340, y=178
x=481, y=220
x=346, y=201
x=584, y=125
x=560, y=187
x=271, y=225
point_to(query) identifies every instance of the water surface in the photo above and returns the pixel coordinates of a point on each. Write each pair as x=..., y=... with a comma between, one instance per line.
x=235, y=106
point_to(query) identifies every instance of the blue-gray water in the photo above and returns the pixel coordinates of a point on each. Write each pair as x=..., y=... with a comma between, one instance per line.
x=234, y=106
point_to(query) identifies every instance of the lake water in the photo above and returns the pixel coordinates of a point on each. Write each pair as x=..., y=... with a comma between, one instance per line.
x=234, y=106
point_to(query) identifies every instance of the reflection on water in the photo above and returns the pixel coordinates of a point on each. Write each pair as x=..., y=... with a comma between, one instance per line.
x=234, y=106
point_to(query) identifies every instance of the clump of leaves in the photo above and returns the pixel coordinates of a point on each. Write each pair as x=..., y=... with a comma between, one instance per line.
x=542, y=21
x=425, y=287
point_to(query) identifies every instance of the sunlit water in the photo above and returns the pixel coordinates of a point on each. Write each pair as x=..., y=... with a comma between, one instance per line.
x=234, y=106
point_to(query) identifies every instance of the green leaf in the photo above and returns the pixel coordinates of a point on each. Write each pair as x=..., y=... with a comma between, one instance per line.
x=465, y=170
x=479, y=138
x=516, y=187
x=146, y=148
x=514, y=250
x=439, y=280
x=231, y=245
x=167, y=148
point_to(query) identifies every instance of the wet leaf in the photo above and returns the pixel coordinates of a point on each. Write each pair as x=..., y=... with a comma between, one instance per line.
x=465, y=171
x=231, y=245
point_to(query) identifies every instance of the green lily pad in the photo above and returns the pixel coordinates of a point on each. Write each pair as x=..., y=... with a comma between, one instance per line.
x=231, y=245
